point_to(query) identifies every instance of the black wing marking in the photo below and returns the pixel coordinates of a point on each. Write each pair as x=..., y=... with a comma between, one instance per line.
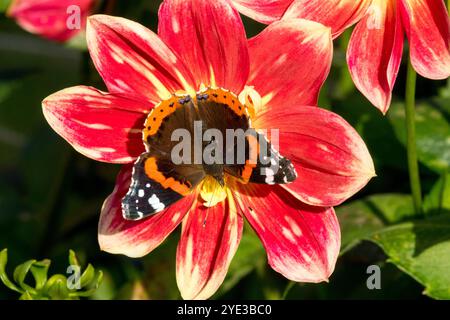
x=152, y=192
x=270, y=167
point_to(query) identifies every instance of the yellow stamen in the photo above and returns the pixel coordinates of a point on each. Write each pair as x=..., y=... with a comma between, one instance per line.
x=212, y=77
x=251, y=99
x=212, y=192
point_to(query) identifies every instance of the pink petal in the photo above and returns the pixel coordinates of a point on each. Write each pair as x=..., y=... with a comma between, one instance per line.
x=136, y=238
x=210, y=38
x=331, y=159
x=209, y=240
x=49, y=18
x=104, y=127
x=132, y=59
x=336, y=14
x=289, y=62
x=375, y=52
x=427, y=27
x=264, y=11
x=302, y=242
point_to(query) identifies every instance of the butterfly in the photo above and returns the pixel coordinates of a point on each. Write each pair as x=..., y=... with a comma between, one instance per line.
x=169, y=170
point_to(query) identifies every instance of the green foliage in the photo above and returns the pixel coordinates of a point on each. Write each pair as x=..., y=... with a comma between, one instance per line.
x=4, y=4
x=57, y=287
x=419, y=247
x=433, y=132
x=438, y=200
x=422, y=250
x=361, y=218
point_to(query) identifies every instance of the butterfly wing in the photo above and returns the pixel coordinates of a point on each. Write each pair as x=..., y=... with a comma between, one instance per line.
x=156, y=184
x=263, y=164
x=260, y=162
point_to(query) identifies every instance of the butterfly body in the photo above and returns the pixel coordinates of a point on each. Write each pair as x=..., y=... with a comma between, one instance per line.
x=188, y=138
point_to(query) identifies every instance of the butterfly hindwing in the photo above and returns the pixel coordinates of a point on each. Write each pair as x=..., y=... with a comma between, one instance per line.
x=156, y=184
x=264, y=164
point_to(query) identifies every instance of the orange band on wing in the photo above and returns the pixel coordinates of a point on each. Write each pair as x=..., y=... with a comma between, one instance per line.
x=157, y=115
x=251, y=163
x=226, y=97
x=151, y=170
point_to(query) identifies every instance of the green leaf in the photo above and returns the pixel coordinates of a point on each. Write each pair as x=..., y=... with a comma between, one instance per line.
x=422, y=250
x=106, y=287
x=73, y=261
x=87, y=276
x=359, y=219
x=40, y=271
x=4, y=4
x=433, y=130
x=56, y=287
x=20, y=274
x=26, y=296
x=3, y=275
x=95, y=284
x=438, y=200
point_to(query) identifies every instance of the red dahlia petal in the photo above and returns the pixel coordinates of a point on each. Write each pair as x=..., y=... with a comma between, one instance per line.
x=375, y=52
x=302, y=242
x=208, y=242
x=132, y=59
x=428, y=30
x=102, y=126
x=264, y=11
x=289, y=62
x=210, y=38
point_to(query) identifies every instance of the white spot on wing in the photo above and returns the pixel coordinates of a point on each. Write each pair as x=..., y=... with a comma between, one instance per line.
x=155, y=203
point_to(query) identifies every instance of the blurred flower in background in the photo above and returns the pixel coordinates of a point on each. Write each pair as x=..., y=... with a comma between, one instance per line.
x=376, y=46
x=296, y=223
x=58, y=20
x=337, y=14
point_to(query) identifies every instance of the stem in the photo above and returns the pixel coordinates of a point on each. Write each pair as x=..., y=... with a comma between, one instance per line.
x=288, y=288
x=413, y=165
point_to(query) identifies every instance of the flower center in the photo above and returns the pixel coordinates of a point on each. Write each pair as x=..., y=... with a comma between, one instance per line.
x=212, y=192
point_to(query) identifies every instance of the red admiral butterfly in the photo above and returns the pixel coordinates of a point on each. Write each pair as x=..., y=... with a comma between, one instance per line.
x=166, y=172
